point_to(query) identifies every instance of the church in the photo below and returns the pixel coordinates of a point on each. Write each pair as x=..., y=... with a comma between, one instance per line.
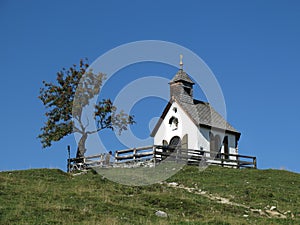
x=193, y=124
x=189, y=130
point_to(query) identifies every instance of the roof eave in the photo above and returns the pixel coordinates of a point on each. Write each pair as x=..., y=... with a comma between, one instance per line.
x=162, y=117
x=236, y=133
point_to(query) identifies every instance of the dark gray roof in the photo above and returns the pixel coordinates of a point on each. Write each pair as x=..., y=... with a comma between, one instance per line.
x=201, y=113
x=182, y=76
x=204, y=114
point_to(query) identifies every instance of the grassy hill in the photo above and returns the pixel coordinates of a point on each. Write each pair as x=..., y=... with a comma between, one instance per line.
x=213, y=196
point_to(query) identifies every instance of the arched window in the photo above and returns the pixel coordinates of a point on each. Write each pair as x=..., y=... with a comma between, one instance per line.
x=173, y=121
x=175, y=142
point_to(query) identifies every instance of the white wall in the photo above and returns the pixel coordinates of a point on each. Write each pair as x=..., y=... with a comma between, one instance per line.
x=231, y=145
x=231, y=139
x=185, y=126
x=197, y=137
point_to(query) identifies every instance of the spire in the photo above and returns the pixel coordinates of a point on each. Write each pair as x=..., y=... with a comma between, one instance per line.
x=181, y=86
x=181, y=63
x=181, y=75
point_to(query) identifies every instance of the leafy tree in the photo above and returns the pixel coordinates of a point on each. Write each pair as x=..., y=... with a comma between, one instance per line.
x=65, y=102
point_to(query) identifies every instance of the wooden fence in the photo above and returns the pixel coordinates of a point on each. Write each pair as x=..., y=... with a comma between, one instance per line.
x=87, y=162
x=158, y=153
x=190, y=156
x=134, y=154
x=195, y=156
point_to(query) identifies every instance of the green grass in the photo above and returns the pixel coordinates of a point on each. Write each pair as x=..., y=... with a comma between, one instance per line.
x=49, y=196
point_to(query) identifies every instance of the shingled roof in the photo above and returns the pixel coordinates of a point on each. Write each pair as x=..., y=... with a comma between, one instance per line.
x=182, y=76
x=204, y=114
x=201, y=113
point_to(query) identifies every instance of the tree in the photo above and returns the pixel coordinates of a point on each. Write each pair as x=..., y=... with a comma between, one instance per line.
x=65, y=102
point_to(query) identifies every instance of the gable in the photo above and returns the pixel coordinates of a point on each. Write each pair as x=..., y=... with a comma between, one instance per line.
x=201, y=114
x=162, y=117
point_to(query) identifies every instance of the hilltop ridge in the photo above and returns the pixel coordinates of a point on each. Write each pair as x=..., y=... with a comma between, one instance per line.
x=214, y=196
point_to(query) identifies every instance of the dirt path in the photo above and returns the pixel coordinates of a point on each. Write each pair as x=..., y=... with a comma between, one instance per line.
x=272, y=212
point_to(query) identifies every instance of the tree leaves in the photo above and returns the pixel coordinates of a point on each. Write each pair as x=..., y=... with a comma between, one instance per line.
x=61, y=108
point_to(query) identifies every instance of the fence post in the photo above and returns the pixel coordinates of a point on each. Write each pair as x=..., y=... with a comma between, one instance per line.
x=238, y=161
x=69, y=161
x=154, y=155
x=134, y=154
x=254, y=162
x=116, y=156
x=68, y=166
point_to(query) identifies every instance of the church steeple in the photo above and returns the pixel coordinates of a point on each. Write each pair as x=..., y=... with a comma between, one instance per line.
x=181, y=86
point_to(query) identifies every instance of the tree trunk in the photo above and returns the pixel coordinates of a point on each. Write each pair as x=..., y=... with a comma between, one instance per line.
x=81, y=146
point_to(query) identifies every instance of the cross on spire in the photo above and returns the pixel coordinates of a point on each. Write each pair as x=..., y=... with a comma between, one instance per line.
x=181, y=63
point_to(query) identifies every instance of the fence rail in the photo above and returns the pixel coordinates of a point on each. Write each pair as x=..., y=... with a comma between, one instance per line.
x=87, y=162
x=191, y=156
x=158, y=153
x=142, y=153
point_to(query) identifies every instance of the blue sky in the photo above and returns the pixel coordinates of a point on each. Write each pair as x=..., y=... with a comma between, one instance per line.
x=252, y=47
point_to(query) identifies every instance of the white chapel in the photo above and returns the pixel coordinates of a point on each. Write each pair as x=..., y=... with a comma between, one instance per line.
x=193, y=124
